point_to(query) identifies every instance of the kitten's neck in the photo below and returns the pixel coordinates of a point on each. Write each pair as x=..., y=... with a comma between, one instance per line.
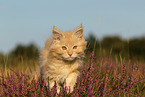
x=70, y=61
x=66, y=61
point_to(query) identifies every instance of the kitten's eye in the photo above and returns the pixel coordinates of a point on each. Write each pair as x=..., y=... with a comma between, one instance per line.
x=75, y=47
x=64, y=47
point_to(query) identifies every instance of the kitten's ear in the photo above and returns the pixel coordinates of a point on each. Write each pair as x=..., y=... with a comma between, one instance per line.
x=78, y=32
x=57, y=34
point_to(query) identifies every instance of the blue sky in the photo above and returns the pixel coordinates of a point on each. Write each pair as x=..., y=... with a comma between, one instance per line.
x=27, y=21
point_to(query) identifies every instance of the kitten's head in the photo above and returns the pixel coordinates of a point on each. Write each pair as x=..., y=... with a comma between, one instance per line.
x=68, y=45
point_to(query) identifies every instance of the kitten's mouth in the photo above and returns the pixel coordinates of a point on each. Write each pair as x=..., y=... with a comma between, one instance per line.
x=70, y=58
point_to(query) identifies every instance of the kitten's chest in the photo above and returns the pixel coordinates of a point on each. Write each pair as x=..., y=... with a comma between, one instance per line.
x=65, y=69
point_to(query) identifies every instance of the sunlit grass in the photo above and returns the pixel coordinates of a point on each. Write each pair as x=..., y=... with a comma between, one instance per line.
x=9, y=65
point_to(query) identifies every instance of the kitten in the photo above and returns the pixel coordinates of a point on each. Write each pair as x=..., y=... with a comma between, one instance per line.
x=61, y=58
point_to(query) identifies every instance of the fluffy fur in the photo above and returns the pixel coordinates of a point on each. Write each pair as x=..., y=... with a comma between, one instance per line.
x=61, y=58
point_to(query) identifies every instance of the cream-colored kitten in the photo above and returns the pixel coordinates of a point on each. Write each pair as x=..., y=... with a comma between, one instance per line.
x=61, y=57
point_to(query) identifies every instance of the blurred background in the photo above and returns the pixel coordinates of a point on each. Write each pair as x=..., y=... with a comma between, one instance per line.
x=111, y=26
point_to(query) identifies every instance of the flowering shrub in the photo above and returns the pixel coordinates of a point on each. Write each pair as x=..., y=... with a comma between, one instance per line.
x=99, y=77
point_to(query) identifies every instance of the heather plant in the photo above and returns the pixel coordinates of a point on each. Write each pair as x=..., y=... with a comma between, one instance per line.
x=102, y=76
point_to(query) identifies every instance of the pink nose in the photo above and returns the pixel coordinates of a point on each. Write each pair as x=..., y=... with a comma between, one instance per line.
x=69, y=54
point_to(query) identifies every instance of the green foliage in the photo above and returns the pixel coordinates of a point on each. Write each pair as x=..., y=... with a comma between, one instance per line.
x=1, y=58
x=92, y=44
x=27, y=52
x=1, y=55
x=137, y=47
x=134, y=48
x=114, y=43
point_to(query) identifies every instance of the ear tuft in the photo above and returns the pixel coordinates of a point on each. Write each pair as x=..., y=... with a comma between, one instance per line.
x=57, y=34
x=79, y=32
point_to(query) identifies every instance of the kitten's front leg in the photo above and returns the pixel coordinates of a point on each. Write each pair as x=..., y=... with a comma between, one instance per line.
x=51, y=85
x=71, y=80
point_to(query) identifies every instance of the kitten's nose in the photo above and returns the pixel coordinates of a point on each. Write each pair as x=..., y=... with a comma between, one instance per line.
x=69, y=54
